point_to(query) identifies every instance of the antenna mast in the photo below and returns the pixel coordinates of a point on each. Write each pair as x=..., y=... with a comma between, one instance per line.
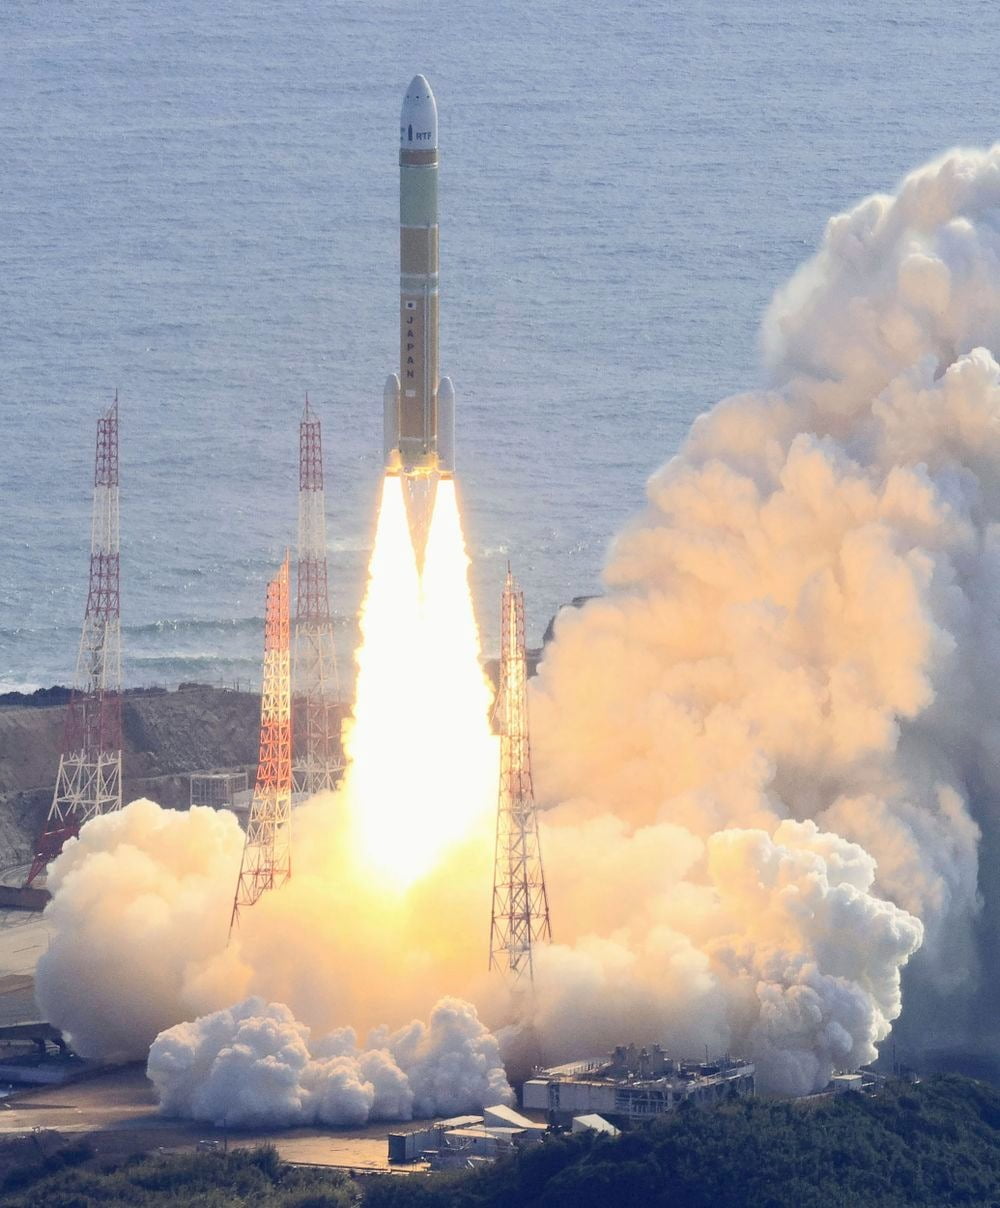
x=89, y=781
x=266, y=860
x=317, y=758
x=520, y=903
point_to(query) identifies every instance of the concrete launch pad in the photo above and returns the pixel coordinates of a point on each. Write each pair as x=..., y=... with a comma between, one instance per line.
x=118, y=1113
x=24, y=936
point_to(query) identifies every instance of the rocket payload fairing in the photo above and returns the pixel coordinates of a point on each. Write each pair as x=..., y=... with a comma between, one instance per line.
x=419, y=433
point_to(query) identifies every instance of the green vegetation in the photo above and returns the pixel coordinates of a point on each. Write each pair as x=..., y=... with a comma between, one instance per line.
x=935, y=1144
x=192, y=1180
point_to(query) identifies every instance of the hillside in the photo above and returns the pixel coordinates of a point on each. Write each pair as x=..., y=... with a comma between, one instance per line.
x=167, y=736
x=931, y=1145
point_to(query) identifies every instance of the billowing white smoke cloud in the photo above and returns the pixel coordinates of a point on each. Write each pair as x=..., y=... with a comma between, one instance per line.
x=795, y=668
x=770, y=752
x=253, y=1065
x=140, y=908
x=142, y=901
x=769, y=942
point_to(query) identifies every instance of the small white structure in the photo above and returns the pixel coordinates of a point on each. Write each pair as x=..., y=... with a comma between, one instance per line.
x=225, y=790
x=506, y=1117
x=465, y=1140
x=460, y=1145
x=408, y=1146
x=594, y=1124
x=841, y=1083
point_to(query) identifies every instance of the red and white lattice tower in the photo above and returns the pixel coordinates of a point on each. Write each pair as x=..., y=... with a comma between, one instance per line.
x=317, y=746
x=89, y=781
x=520, y=903
x=267, y=860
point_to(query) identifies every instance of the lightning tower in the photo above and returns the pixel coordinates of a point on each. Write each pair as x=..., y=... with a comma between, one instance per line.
x=266, y=860
x=317, y=755
x=520, y=903
x=89, y=781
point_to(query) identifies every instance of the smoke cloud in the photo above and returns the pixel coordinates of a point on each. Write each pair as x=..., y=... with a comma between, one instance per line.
x=769, y=755
x=253, y=1065
x=795, y=663
x=141, y=906
x=140, y=913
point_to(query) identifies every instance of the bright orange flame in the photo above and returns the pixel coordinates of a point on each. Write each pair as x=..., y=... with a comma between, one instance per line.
x=422, y=758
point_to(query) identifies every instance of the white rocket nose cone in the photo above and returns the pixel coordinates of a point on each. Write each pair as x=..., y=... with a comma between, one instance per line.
x=418, y=122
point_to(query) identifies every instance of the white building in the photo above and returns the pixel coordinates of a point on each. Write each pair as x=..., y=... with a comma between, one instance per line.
x=594, y=1123
x=635, y=1084
x=465, y=1140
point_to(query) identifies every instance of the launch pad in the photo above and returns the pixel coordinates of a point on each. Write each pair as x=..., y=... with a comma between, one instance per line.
x=117, y=1112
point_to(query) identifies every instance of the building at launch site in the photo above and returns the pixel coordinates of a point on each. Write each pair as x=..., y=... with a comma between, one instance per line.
x=466, y=1141
x=221, y=789
x=636, y=1084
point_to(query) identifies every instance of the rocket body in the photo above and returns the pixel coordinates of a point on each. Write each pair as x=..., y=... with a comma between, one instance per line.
x=419, y=406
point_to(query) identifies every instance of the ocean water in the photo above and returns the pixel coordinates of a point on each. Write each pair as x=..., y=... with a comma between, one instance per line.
x=198, y=206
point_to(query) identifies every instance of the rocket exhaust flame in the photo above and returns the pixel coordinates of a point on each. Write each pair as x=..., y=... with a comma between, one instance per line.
x=423, y=760
x=382, y=740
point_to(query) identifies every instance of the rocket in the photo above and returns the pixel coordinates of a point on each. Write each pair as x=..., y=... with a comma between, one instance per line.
x=419, y=407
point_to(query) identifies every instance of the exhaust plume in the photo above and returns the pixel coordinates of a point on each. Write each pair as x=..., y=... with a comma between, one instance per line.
x=253, y=1065
x=422, y=760
x=139, y=917
x=795, y=663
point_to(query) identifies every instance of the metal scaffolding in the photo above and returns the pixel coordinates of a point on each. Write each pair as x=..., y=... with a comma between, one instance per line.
x=89, y=780
x=221, y=790
x=520, y=903
x=267, y=861
x=318, y=762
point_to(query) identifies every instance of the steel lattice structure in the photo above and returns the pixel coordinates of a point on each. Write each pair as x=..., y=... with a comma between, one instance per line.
x=318, y=762
x=520, y=903
x=89, y=781
x=267, y=861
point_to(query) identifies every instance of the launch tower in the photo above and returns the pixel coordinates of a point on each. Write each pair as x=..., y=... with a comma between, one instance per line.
x=520, y=903
x=266, y=860
x=317, y=755
x=89, y=781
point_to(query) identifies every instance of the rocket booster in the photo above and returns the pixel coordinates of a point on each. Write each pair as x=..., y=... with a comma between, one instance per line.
x=419, y=432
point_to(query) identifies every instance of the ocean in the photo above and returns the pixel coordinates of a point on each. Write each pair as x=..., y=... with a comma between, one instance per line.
x=199, y=208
